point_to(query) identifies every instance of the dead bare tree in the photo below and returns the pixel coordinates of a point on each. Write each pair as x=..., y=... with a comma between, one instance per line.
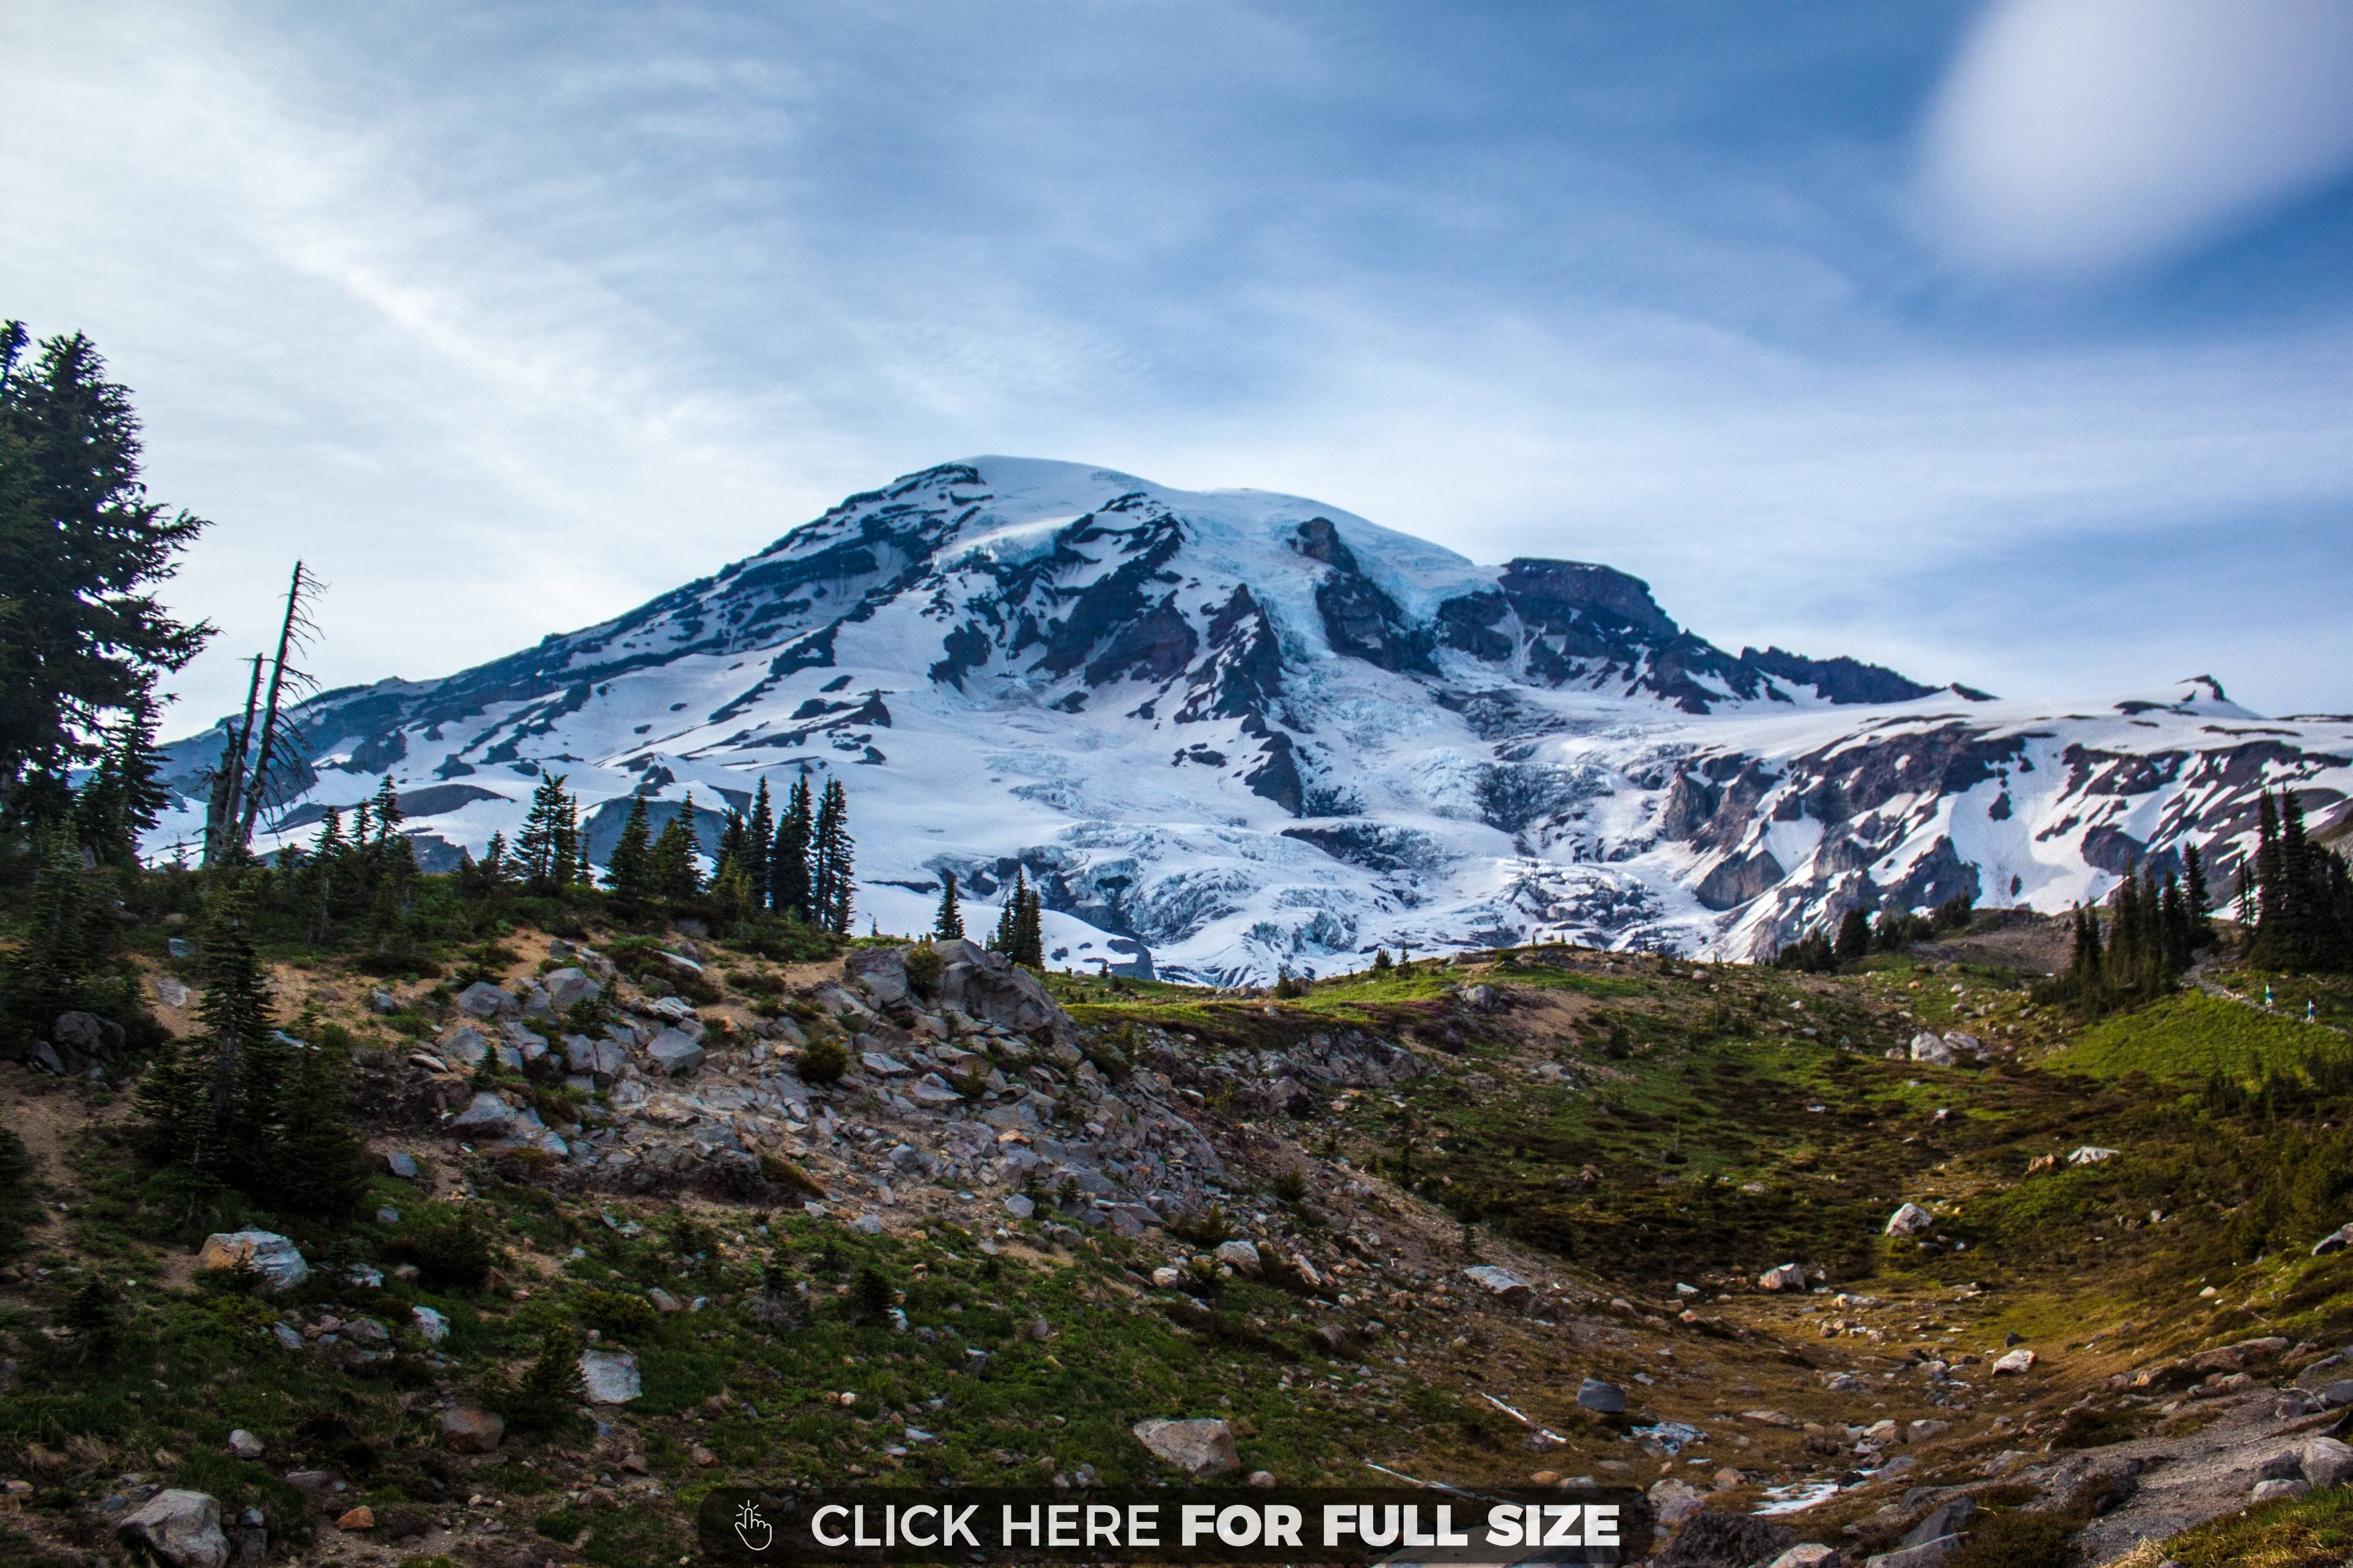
x=240, y=787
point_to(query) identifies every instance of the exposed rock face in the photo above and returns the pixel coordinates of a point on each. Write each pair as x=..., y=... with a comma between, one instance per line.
x=1166, y=704
x=1201, y=1449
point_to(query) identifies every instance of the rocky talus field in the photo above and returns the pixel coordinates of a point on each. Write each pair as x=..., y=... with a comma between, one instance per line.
x=1892, y=1267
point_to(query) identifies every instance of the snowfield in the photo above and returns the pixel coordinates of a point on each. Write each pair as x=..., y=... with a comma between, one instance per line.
x=1234, y=730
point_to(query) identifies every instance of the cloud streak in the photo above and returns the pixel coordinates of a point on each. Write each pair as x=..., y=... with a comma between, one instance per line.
x=509, y=320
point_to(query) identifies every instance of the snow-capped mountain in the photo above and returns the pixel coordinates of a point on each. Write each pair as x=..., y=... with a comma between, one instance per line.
x=1232, y=731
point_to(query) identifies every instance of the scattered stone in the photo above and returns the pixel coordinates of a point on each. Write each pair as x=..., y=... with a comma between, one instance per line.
x=180, y=1528
x=274, y=1257
x=485, y=1112
x=358, y=1519
x=1019, y=1205
x=1166, y=1275
x=464, y=1045
x=1909, y=1220
x=611, y=1377
x=2017, y=1360
x=2264, y=1491
x=484, y=1000
x=568, y=988
x=2325, y=1462
x=170, y=991
x=1949, y=1517
x=1500, y=1283
x=1807, y=1554
x=403, y=1164
x=1200, y=1448
x=872, y=1225
x=1606, y=1398
x=244, y=1445
x=1262, y=1478
x=1725, y=1541
x=675, y=1053
x=470, y=1429
x=1673, y=1502
x=1788, y=1276
x=1921, y=1431
x=2089, y=1155
x=2335, y=1241
x=1242, y=1257
x=1932, y=1049
x=431, y=1325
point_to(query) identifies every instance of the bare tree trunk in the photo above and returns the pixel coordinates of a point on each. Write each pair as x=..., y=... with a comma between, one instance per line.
x=286, y=631
x=229, y=779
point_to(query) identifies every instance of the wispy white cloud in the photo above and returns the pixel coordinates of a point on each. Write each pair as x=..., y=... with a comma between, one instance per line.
x=2076, y=135
x=509, y=318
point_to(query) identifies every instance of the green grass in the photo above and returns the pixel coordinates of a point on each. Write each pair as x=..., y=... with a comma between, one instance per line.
x=2190, y=1037
x=2290, y=1532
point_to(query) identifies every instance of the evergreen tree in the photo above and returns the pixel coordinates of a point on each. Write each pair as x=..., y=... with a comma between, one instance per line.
x=762, y=848
x=541, y=846
x=791, y=888
x=735, y=840
x=49, y=972
x=731, y=893
x=2194, y=894
x=497, y=866
x=551, y=1391
x=320, y=1165
x=1853, y=938
x=1030, y=934
x=628, y=872
x=82, y=553
x=833, y=862
x=672, y=867
x=948, y=924
x=1009, y=920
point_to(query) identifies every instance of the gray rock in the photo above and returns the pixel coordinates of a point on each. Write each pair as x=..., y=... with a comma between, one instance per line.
x=87, y=1036
x=180, y=1528
x=274, y=1257
x=2264, y=1491
x=1949, y=1517
x=1909, y=1220
x=402, y=1163
x=179, y=947
x=535, y=1004
x=674, y=1053
x=1606, y=1398
x=1500, y=1283
x=430, y=1325
x=1242, y=1257
x=611, y=1377
x=470, y=1429
x=1726, y=1541
x=382, y=1001
x=42, y=1055
x=1019, y=1206
x=244, y=1445
x=1807, y=1554
x=2325, y=1462
x=2335, y=1241
x=1931, y=1048
x=484, y=1000
x=882, y=1066
x=464, y=1045
x=1198, y=1447
x=2337, y=1395
x=931, y=1089
x=170, y=991
x=1966, y=1044
x=1928, y=1554
x=1790, y=1276
x=486, y=1112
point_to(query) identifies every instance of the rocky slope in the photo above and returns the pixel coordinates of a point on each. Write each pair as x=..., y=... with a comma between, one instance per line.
x=1233, y=731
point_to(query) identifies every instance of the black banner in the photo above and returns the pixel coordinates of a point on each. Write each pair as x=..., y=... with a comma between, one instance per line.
x=1340, y=1525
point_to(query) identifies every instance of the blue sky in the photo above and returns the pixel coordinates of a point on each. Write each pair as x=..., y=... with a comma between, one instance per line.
x=2007, y=344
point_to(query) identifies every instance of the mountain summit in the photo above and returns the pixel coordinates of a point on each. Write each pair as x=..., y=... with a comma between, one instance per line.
x=1230, y=730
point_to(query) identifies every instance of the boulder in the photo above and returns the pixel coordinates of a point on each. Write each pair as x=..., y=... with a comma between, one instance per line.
x=1606, y=1398
x=2090, y=1155
x=1788, y=1276
x=1931, y=1048
x=992, y=989
x=2264, y=1491
x=1929, y=1554
x=882, y=971
x=2325, y=1462
x=430, y=1325
x=1909, y=1220
x=485, y=1112
x=1966, y=1044
x=1950, y=1517
x=611, y=1377
x=403, y=1164
x=470, y=1429
x=568, y=988
x=464, y=1045
x=1673, y=1502
x=484, y=1000
x=1198, y=1447
x=1726, y=1541
x=1500, y=1283
x=244, y=1445
x=1242, y=1257
x=170, y=991
x=1019, y=1205
x=1807, y=1554
x=182, y=1529
x=88, y=1036
x=2015, y=1362
x=2335, y=1241
x=674, y=1053
x=275, y=1258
